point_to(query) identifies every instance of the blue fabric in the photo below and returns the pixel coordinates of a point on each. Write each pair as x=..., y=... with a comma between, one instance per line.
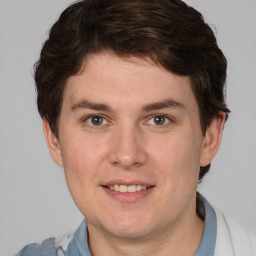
x=44, y=249
x=80, y=238
x=208, y=242
x=78, y=246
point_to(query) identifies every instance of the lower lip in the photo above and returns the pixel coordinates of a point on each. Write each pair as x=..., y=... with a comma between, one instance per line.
x=128, y=196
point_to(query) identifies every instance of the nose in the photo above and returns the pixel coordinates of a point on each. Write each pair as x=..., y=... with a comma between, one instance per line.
x=128, y=148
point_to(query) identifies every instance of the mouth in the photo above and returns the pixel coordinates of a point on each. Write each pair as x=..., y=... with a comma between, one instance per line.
x=128, y=191
x=128, y=188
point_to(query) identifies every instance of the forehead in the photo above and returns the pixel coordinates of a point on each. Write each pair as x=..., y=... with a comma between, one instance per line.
x=107, y=78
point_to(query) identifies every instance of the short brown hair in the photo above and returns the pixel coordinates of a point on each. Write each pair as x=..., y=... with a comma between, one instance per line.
x=171, y=33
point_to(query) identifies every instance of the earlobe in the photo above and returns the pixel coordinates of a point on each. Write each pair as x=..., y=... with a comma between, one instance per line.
x=212, y=139
x=52, y=143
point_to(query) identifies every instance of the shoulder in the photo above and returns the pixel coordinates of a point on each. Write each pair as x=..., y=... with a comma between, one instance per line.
x=69, y=244
x=232, y=238
x=39, y=249
x=55, y=246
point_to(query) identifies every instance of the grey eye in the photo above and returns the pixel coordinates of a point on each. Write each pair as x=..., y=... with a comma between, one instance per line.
x=95, y=120
x=159, y=120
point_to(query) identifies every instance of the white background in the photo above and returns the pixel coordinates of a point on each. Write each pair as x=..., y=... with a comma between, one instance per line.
x=34, y=201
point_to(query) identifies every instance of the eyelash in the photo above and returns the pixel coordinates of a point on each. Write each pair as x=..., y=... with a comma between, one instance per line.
x=85, y=120
x=167, y=118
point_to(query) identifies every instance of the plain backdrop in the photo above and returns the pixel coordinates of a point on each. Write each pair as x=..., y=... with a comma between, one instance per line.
x=34, y=201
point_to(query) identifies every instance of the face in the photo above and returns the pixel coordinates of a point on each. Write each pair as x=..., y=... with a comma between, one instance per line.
x=131, y=145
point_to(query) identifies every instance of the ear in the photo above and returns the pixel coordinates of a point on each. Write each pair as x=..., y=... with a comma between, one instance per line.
x=212, y=139
x=52, y=143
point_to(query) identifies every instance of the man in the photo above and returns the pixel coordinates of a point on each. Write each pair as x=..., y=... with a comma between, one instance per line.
x=132, y=99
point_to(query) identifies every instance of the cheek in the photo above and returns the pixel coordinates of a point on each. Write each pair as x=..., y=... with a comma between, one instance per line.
x=81, y=160
x=178, y=159
x=81, y=165
x=80, y=152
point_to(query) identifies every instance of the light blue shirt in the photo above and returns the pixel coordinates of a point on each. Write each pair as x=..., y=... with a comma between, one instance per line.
x=77, y=244
x=208, y=242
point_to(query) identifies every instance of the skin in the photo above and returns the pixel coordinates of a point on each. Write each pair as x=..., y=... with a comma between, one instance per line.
x=128, y=144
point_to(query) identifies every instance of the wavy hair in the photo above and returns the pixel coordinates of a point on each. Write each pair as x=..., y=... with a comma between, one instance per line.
x=171, y=33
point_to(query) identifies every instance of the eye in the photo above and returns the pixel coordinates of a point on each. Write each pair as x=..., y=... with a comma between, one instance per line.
x=159, y=120
x=96, y=120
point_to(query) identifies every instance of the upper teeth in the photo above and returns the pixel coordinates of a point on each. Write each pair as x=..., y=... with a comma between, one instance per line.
x=124, y=188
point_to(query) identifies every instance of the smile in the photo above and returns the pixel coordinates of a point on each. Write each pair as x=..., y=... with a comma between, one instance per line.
x=129, y=189
x=127, y=193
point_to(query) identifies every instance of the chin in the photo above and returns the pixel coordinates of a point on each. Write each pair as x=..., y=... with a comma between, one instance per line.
x=130, y=227
x=130, y=232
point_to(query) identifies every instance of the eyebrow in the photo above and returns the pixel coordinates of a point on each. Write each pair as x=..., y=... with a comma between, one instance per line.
x=90, y=105
x=168, y=103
